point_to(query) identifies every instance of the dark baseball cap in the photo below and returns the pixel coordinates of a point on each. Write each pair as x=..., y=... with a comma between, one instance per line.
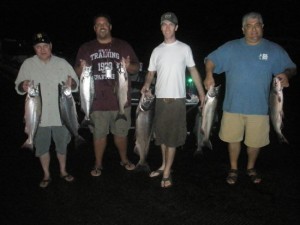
x=40, y=37
x=170, y=17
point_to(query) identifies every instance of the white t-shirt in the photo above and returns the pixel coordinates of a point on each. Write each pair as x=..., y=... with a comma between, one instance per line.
x=170, y=62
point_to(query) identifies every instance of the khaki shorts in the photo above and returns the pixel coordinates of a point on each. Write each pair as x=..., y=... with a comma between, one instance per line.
x=105, y=122
x=42, y=141
x=254, y=129
x=170, y=122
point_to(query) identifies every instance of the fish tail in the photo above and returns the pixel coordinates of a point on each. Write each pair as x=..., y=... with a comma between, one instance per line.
x=198, y=151
x=282, y=139
x=27, y=145
x=208, y=144
x=121, y=116
x=79, y=140
x=85, y=123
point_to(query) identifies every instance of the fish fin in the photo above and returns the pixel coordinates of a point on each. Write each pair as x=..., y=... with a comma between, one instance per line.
x=27, y=145
x=282, y=139
x=207, y=144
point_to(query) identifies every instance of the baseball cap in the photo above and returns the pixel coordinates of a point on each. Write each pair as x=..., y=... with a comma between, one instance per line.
x=40, y=37
x=170, y=17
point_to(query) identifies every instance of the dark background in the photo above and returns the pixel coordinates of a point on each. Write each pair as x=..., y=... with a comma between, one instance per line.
x=204, y=25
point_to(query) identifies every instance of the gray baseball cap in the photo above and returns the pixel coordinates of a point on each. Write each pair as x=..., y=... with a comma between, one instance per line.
x=170, y=16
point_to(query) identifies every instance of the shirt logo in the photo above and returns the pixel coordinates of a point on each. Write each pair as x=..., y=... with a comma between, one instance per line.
x=263, y=56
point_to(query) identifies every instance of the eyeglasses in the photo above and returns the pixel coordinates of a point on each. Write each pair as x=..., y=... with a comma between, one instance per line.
x=253, y=26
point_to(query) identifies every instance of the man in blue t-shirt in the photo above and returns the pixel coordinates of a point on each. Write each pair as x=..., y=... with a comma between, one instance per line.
x=249, y=65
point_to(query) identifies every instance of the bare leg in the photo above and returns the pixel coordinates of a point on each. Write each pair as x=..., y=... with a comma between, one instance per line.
x=62, y=164
x=234, y=152
x=169, y=159
x=45, y=162
x=121, y=143
x=252, y=156
x=252, y=173
x=99, y=148
x=160, y=170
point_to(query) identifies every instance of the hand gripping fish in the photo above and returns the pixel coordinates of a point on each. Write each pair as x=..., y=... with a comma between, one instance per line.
x=87, y=92
x=207, y=118
x=143, y=128
x=122, y=90
x=276, y=108
x=33, y=112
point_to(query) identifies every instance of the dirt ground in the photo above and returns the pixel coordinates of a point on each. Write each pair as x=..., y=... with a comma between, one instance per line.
x=199, y=195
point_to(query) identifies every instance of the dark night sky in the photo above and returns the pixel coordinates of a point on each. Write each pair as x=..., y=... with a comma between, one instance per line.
x=202, y=24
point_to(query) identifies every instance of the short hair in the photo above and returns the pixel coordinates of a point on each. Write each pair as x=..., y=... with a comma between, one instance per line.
x=105, y=15
x=252, y=15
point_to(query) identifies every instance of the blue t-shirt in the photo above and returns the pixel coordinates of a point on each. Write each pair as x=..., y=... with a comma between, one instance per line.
x=249, y=70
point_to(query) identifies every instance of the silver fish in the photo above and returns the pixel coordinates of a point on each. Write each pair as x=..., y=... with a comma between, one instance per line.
x=122, y=90
x=276, y=108
x=67, y=109
x=33, y=112
x=209, y=115
x=87, y=91
x=143, y=128
x=199, y=133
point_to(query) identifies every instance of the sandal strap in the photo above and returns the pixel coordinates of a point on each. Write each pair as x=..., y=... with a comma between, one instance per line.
x=232, y=176
x=233, y=172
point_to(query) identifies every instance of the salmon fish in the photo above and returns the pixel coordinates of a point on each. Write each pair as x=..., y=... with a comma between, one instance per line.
x=143, y=128
x=208, y=116
x=122, y=90
x=87, y=92
x=33, y=112
x=276, y=109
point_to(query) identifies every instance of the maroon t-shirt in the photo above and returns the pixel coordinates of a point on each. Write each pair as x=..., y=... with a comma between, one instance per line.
x=101, y=56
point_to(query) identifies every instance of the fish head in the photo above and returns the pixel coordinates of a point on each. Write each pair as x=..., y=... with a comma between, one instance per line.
x=86, y=71
x=213, y=91
x=33, y=90
x=65, y=90
x=147, y=101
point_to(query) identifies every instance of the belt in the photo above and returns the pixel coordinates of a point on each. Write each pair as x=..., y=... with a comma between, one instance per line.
x=169, y=100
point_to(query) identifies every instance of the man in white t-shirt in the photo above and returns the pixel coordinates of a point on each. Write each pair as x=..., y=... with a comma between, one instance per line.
x=169, y=61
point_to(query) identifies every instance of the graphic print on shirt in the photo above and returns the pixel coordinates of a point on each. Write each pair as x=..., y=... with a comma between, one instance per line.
x=105, y=62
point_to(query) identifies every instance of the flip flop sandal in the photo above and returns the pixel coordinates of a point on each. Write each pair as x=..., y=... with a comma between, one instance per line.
x=165, y=180
x=156, y=173
x=128, y=165
x=96, y=172
x=68, y=178
x=45, y=183
x=232, y=176
x=254, y=176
